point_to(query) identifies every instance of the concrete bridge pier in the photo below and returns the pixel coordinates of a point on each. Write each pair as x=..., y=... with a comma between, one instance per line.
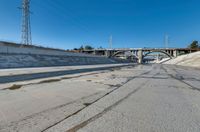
x=107, y=53
x=175, y=54
x=140, y=56
x=140, y=53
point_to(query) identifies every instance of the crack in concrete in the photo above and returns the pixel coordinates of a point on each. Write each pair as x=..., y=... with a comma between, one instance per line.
x=50, y=81
x=46, y=81
x=25, y=77
x=96, y=100
x=180, y=78
x=80, y=100
x=13, y=87
x=85, y=123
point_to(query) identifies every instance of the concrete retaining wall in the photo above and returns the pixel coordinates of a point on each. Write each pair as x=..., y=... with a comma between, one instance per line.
x=25, y=60
x=17, y=56
x=12, y=48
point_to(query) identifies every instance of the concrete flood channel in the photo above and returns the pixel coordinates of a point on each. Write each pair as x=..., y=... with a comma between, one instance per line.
x=104, y=100
x=24, y=77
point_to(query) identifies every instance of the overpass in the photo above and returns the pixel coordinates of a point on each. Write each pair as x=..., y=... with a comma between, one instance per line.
x=140, y=53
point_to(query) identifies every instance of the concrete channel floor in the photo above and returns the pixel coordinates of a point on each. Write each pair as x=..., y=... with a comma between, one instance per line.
x=143, y=98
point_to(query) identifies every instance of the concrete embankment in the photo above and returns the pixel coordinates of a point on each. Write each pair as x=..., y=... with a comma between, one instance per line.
x=191, y=60
x=25, y=60
x=18, y=56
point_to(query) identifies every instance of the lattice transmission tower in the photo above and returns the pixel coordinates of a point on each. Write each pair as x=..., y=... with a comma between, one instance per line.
x=26, y=23
x=166, y=41
x=111, y=41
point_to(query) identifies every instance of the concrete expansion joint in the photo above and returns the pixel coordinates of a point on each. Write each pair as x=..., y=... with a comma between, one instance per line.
x=104, y=109
x=100, y=114
x=116, y=111
x=85, y=123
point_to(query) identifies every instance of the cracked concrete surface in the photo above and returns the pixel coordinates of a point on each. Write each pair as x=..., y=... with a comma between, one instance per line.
x=141, y=98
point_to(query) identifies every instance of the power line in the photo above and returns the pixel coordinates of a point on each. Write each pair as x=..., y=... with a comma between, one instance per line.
x=56, y=8
x=66, y=15
x=166, y=41
x=110, y=41
x=26, y=38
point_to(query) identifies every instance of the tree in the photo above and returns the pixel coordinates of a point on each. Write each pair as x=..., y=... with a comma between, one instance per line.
x=194, y=45
x=100, y=47
x=88, y=47
x=81, y=48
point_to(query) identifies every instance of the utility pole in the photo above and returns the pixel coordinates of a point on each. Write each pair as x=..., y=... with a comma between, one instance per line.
x=110, y=42
x=26, y=24
x=166, y=41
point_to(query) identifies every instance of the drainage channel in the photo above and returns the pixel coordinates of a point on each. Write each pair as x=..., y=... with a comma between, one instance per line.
x=26, y=77
x=18, y=86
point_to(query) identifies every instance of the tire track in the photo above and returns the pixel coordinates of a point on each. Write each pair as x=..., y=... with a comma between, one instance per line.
x=85, y=123
x=107, y=109
x=180, y=78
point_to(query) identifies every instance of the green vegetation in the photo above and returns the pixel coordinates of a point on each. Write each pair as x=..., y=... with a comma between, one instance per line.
x=86, y=47
x=194, y=45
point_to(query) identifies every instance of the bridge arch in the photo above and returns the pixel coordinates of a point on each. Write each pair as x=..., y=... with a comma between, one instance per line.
x=158, y=51
x=119, y=52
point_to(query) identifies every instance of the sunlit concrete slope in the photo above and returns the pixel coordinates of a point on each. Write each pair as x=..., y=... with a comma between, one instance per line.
x=25, y=60
x=14, y=55
x=192, y=60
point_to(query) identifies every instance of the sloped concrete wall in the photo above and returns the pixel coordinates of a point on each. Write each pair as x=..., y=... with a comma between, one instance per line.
x=12, y=48
x=27, y=60
x=17, y=56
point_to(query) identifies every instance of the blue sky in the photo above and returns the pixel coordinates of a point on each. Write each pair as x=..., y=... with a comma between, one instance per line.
x=132, y=23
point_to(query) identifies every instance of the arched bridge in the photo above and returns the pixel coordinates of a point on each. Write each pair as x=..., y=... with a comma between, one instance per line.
x=140, y=53
x=126, y=53
x=155, y=51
